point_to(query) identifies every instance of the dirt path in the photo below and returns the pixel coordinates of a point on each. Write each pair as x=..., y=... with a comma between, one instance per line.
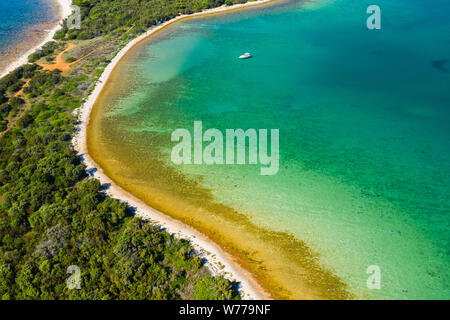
x=66, y=66
x=12, y=120
x=18, y=93
x=59, y=62
x=85, y=56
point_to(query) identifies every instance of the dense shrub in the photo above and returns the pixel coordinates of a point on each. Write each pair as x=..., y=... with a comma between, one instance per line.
x=47, y=49
x=101, y=17
x=53, y=216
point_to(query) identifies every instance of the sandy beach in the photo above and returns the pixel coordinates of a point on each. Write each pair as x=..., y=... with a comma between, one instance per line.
x=218, y=261
x=64, y=12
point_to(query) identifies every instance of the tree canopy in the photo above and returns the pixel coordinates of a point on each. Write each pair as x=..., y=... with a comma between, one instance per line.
x=52, y=214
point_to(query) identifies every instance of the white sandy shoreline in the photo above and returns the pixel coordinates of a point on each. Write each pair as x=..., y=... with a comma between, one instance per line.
x=64, y=12
x=218, y=261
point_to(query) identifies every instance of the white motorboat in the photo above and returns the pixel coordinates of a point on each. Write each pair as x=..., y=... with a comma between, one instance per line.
x=245, y=56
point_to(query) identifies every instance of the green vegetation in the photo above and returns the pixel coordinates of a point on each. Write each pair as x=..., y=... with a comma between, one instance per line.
x=46, y=50
x=213, y=289
x=52, y=215
x=101, y=17
x=12, y=79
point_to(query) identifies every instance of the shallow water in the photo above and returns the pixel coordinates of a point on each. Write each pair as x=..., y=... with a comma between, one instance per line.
x=363, y=119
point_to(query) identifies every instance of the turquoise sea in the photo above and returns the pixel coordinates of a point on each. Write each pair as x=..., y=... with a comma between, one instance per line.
x=364, y=120
x=18, y=17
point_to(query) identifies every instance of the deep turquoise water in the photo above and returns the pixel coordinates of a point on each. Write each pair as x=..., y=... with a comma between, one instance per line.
x=364, y=127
